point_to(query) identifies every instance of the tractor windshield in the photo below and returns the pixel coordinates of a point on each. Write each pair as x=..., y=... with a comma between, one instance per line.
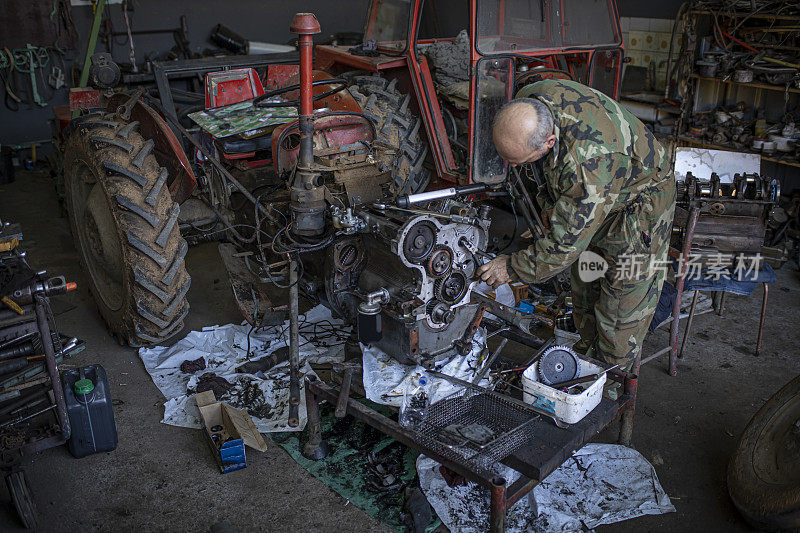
x=525, y=25
x=387, y=23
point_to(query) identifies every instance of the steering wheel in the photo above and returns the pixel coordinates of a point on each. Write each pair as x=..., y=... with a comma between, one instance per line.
x=261, y=101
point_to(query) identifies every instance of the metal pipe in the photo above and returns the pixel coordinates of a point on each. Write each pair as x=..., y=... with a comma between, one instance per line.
x=626, y=420
x=306, y=25
x=50, y=362
x=294, y=346
x=497, y=518
x=407, y=200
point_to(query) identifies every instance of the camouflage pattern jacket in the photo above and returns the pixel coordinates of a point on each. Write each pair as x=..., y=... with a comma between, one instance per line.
x=604, y=158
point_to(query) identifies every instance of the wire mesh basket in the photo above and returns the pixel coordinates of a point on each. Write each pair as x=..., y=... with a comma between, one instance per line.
x=475, y=427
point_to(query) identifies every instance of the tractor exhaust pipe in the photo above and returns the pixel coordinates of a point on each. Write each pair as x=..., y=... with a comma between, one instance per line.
x=307, y=195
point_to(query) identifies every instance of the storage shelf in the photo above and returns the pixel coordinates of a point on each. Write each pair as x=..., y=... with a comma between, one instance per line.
x=704, y=144
x=743, y=14
x=753, y=84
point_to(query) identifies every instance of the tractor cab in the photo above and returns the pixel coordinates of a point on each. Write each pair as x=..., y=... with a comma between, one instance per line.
x=463, y=61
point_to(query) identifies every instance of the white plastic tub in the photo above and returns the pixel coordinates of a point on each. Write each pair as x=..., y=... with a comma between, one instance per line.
x=568, y=408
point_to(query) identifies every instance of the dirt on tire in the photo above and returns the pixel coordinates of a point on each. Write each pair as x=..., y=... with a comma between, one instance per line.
x=396, y=126
x=109, y=157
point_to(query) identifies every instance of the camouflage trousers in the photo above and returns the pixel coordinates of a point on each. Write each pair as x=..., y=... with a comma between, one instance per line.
x=613, y=313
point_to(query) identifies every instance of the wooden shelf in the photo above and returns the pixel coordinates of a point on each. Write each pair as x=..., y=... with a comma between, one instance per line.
x=704, y=144
x=752, y=84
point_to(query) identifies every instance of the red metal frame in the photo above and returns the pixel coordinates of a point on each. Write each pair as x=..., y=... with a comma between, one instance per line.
x=337, y=58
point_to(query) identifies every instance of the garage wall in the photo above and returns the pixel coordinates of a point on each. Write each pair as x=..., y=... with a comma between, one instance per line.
x=261, y=20
x=264, y=20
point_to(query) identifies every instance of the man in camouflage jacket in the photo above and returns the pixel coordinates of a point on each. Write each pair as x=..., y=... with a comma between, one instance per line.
x=607, y=189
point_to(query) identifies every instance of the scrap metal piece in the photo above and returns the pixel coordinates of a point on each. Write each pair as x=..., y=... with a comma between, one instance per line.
x=558, y=364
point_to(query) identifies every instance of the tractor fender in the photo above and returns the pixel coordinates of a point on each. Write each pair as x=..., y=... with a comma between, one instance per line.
x=167, y=147
x=329, y=131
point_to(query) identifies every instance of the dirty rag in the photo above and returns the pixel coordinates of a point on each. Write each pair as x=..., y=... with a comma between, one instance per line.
x=264, y=395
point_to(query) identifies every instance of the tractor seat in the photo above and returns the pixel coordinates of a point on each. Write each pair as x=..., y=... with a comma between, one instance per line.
x=236, y=144
x=229, y=87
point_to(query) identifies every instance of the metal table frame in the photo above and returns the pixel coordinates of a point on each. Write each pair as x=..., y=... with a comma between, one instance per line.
x=533, y=463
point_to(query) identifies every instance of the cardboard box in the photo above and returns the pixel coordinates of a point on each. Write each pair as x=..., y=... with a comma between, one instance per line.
x=227, y=430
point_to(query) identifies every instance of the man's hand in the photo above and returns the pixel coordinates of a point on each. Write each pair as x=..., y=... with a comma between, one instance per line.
x=495, y=272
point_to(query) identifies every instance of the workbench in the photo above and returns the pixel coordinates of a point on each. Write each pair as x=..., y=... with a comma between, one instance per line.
x=536, y=460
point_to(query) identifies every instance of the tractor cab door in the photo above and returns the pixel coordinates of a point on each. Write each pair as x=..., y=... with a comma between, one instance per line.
x=516, y=40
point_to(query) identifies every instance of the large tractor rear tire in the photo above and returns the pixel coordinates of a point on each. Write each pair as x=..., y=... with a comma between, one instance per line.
x=396, y=126
x=764, y=472
x=124, y=224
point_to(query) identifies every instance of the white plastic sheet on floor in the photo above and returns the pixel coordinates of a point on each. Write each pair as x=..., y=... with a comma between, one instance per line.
x=600, y=484
x=224, y=348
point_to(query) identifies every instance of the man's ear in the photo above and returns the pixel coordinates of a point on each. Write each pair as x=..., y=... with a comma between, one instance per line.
x=550, y=141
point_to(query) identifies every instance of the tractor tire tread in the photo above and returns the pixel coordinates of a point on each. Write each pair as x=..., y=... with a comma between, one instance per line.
x=154, y=283
x=396, y=126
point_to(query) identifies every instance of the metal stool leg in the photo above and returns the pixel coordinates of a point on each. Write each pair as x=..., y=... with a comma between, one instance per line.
x=721, y=304
x=497, y=517
x=763, y=318
x=689, y=322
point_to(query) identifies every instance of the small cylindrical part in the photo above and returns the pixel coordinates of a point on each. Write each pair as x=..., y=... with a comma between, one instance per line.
x=370, y=327
x=17, y=351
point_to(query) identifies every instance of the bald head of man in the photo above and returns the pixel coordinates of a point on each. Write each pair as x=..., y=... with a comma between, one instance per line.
x=523, y=131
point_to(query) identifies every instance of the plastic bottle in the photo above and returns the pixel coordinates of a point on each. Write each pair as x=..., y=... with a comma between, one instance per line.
x=416, y=399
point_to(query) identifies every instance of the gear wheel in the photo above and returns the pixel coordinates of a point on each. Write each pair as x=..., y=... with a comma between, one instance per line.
x=557, y=364
x=440, y=262
x=419, y=241
x=452, y=288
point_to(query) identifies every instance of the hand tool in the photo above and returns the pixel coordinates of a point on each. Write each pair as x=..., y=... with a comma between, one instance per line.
x=585, y=379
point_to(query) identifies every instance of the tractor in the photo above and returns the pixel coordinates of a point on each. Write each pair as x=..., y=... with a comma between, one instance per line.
x=371, y=173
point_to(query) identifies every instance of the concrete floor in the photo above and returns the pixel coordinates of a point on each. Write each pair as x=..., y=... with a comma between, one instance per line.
x=162, y=478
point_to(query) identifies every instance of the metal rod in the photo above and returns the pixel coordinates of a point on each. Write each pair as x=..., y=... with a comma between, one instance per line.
x=529, y=207
x=341, y=405
x=90, y=46
x=294, y=346
x=691, y=224
x=467, y=384
x=489, y=361
x=763, y=319
x=695, y=297
x=50, y=363
x=408, y=200
x=16, y=421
